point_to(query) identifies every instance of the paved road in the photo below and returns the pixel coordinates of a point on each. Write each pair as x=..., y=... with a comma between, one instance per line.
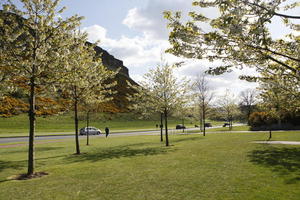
x=58, y=137
x=132, y=133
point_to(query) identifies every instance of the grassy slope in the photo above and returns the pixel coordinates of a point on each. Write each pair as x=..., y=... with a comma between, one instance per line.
x=18, y=125
x=234, y=128
x=218, y=166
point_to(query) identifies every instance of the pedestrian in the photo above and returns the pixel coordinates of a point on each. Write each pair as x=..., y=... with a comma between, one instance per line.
x=106, y=131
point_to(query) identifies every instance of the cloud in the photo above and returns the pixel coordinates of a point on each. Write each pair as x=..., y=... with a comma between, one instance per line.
x=95, y=33
x=150, y=20
x=219, y=83
x=140, y=53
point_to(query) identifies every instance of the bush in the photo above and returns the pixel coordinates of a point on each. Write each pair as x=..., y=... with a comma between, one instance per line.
x=263, y=121
x=257, y=119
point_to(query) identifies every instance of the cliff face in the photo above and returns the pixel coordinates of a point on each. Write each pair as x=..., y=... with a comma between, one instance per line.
x=110, y=61
x=119, y=103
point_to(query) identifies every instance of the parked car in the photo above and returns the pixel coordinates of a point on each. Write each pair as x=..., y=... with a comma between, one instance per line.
x=180, y=126
x=226, y=124
x=208, y=125
x=90, y=130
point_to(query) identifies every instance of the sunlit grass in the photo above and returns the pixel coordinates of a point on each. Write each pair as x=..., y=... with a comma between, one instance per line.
x=218, y=166
x=18, y=125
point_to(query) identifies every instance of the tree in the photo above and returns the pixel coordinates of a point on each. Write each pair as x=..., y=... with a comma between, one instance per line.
x=280, y=95
x=182, y=112
x=239, y=36
x=36, y=44
x=203, y=98
x=85, y=80
x=227, y=107
x=161, y=92
x=248, y=100
x=142, y=104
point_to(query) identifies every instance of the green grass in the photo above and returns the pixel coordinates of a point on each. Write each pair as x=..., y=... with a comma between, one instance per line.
x=18, y=125
x=218, y=166
x=234, y=128
x=223, y=129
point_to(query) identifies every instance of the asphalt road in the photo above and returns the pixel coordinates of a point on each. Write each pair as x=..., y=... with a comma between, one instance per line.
x=59, y=137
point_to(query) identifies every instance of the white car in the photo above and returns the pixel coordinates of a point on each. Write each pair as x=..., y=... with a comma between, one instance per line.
x=90, y=130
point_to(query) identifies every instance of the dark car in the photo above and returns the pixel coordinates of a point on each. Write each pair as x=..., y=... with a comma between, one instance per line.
x=226, y=124
x=90, y=130
x=207, y=125
x=180, y=126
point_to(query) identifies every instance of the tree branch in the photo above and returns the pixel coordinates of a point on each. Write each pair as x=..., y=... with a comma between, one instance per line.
x=271, y=11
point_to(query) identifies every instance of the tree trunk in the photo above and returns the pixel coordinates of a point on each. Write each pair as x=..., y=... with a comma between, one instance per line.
x=279, y=121
x=166, y=126
x=87, y=125
x=270, y=134
x=203, y=118
x=161, y=127
x=248, y=115
x=31, y=164
x=76, y=126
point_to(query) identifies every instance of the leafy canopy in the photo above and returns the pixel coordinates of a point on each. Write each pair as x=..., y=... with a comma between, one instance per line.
x=239, y=36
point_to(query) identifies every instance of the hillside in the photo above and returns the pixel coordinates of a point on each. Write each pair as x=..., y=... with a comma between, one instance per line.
x=16, y=102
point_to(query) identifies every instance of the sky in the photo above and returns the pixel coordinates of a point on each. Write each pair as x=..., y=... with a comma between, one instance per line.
x=135, y=32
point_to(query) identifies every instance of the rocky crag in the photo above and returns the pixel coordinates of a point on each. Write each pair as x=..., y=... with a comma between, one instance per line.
x=111, y=62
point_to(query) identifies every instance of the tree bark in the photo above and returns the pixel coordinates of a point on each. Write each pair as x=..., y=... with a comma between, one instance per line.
x=87, y=125
x=166, y=126
x=183, y=125
x=203, y=117
x=161, y=127
x=248, y=114
x=76, y=126
x=31, y=164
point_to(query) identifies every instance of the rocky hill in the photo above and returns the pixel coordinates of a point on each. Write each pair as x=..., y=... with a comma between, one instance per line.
x=111, y=62
x=119, y=102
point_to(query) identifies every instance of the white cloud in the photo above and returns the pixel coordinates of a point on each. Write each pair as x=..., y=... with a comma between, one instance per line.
x=140, y=53
x=150, y=21
x=96, y=33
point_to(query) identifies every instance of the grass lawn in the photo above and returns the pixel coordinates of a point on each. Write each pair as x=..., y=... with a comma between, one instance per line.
x=234, y=128
x=18, y=125
x=218, y=166
x=225, y=129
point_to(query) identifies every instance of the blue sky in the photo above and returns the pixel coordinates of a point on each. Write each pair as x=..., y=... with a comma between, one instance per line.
x=135, y=32
x=107, y=13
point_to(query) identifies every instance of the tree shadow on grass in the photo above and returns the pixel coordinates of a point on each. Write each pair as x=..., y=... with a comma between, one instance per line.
x=11, y=164
x=37, y=149
x=285, y=161
x=117, y=152
x=186, y=138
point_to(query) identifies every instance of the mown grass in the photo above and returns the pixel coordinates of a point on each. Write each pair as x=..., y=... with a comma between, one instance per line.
x=217, y=166
x=18, y=125
x=222, y=129
x=234, y=128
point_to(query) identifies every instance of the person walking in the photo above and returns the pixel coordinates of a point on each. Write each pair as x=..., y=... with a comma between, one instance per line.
x=106, y=131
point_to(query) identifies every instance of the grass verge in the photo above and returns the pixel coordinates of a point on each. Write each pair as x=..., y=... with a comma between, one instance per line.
x=218, y=166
